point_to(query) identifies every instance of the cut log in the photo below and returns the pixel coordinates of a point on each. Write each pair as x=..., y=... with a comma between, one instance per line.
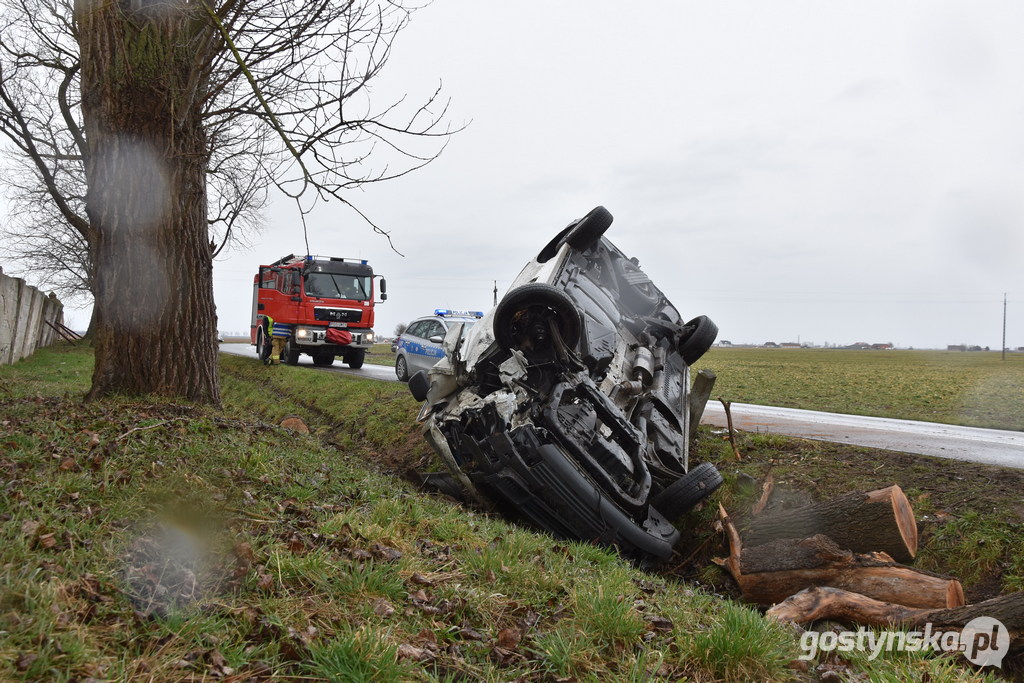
x=878, y=521
x=771, y=572
x=813, y=604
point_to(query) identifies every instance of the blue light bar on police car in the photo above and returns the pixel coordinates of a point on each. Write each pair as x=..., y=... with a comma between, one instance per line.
x=447, y=312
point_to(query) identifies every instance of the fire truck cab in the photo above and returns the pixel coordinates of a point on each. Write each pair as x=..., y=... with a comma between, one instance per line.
x=324, y=306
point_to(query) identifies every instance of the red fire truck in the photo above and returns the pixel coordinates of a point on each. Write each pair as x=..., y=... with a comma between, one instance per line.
x=324, y=306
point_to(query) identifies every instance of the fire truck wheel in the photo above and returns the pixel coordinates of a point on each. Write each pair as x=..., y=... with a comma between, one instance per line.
x=354, y=358
x=323, y=359
x=290, y=355
x=262, y=346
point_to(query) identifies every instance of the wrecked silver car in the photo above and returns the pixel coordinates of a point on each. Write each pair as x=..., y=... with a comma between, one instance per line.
x=567, y=404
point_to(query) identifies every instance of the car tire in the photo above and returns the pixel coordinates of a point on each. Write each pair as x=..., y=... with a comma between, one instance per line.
x=636, y=289
x=323, y=359
x=589, y=229
x=290, y=354
x=419, y=386
x=699, y=340
x=686, y=492
x=354, y=358
x=263, y=349
x=581, y=234
x=402, y=369
x=535, y=303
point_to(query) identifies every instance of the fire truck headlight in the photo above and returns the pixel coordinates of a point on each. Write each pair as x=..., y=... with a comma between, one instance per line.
x=369, y=337
x=302, y=333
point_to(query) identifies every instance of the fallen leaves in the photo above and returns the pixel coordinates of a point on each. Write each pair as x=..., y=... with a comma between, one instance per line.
x=505, y=650
x=40, y=538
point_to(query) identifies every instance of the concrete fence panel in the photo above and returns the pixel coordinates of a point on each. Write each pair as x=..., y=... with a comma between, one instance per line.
x=24, y=313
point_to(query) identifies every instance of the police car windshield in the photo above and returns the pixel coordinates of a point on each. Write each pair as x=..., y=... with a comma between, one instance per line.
x=335, y=286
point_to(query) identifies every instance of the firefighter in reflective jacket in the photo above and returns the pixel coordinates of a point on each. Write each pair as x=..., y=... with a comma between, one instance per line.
x=279, y=334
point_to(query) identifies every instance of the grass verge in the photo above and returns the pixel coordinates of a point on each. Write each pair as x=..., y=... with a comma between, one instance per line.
x=155, y=540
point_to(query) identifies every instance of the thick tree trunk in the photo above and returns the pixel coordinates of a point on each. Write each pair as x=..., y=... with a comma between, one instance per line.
x=878, y=521
x=142, y=82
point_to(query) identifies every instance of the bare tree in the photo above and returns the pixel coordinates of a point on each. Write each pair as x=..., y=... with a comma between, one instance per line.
x=171, y=91
x=47, y=229
x=400, y=328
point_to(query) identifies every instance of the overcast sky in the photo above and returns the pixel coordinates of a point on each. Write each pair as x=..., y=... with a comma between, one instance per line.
x=815, y=171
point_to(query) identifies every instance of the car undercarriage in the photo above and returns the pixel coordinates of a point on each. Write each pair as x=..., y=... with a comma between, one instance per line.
x=568, y=404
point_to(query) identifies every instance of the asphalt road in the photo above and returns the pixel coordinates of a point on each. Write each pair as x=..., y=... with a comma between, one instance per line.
x=990, y=446
x=381, y=372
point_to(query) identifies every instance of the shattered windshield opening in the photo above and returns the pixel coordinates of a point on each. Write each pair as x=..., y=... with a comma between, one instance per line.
x=336, y=286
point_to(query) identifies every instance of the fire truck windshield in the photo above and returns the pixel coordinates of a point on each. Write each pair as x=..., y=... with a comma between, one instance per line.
x=335, y=286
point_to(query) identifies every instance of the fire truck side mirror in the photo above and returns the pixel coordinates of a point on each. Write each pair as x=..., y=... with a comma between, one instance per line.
x=383, y=289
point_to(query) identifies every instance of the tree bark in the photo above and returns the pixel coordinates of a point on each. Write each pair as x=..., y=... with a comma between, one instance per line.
x=818, y=603
x=144, y=73
x=771, y=572
x=878, y=521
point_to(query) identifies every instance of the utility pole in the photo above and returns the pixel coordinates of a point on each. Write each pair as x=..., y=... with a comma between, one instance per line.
x=496, y=293
x=1004, y=325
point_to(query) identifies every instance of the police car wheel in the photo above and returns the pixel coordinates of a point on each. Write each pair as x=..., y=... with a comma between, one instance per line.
x=401, y=369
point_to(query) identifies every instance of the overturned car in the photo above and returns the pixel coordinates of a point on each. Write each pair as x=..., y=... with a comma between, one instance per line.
x=568, y=403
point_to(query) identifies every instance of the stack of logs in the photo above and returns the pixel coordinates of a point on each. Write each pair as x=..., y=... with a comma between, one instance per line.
x=846, y=559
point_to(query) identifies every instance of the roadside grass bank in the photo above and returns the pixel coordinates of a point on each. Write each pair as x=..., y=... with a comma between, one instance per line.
x=157, y=540
x=975, y=389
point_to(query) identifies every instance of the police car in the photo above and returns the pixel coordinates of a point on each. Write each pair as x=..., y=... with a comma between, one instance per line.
x=419, y=347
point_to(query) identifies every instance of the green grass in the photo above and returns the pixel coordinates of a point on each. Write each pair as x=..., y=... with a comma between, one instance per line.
x=380, y=354
x=147, y=539
x=967, y=388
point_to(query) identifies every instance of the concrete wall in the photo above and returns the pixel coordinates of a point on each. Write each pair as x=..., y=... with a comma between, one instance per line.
x=23, y=312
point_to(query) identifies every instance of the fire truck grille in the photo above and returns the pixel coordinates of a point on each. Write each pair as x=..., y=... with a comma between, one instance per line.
x=339, y=315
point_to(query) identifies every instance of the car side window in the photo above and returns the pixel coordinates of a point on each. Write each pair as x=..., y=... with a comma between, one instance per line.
x=435, y=329
x=416, y=329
